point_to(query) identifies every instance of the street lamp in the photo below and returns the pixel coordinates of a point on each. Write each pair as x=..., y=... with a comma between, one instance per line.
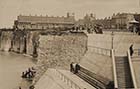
x=112, y=35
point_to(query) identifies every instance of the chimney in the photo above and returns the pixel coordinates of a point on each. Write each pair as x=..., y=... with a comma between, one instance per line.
x=68, y=15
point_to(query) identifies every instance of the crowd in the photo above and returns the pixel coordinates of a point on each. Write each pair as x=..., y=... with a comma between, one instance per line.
x=29, y=74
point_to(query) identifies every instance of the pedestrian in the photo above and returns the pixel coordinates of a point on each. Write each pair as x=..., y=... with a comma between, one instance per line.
x=32, y=68
x=74, y=67
x=138, y=52
x=71, y=67
x=26, y=74
x=131, y=50
x=23, y=75
x=29, y=70
x=31, y=87
x=30, y=75
x=77, y=68
x=19, y=87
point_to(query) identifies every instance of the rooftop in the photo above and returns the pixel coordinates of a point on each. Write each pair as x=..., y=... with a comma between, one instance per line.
x=45, y=19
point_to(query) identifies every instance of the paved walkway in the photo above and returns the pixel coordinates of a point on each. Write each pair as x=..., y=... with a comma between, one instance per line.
x=99, y=64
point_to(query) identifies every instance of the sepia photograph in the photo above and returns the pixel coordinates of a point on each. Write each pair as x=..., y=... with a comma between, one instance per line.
x=69, y=44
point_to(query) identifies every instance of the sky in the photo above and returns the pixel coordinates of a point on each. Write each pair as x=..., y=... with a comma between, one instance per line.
x=10, y=9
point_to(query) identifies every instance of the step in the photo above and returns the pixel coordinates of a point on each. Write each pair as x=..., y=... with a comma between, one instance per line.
x=123, y=72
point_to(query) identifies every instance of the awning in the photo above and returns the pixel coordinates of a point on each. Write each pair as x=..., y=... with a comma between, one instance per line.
x=133, y=22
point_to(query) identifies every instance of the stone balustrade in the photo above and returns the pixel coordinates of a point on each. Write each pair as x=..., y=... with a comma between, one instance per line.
x=68, y=81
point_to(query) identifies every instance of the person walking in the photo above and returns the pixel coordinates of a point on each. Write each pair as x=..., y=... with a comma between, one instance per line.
x=71, y=67
x=131, y=50
x=77, y=68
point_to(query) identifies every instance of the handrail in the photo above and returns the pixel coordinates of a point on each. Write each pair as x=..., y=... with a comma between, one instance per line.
x=99, y=47
x=68, y=80
x=97, y=83
x=132, y=70
x=114, y=70
x=103, y=51
x=95, y=76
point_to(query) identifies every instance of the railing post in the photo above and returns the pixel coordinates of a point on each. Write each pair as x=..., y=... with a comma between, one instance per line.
x=67, y=80
x=110, y=53
x=132, y=70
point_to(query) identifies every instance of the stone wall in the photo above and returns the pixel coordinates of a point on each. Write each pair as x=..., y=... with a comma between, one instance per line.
x=18, y=40
x=58, y=51
x=5, y=40
x=24, y=41
x=32, y=41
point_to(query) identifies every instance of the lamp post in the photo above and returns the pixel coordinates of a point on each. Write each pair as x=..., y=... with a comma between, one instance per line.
x=112, y=35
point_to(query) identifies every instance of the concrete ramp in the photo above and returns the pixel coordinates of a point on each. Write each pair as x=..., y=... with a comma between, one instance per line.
x=99, y=64
x=50, y=81
x=61, y=79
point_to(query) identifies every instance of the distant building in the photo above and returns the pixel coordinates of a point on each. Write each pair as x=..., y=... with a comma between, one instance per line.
x=86, y=21
x=44, y=22
x=121, y=20
x=117, y=21
x=105, y=23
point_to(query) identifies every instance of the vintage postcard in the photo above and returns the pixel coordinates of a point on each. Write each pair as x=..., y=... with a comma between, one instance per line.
x=70, y=44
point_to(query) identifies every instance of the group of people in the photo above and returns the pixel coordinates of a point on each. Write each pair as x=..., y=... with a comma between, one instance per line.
x=30, y=73
x=74, y=67
x=30, y=87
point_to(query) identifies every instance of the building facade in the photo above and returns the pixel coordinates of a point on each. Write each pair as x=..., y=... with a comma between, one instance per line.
x=116, y=21
x=44, y=22
x=121, y=20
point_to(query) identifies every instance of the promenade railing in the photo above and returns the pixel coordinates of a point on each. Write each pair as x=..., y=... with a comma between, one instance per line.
x=67, y=80
x=132, y=70
x=99, y=50
x=136, y=53
x=114, y=69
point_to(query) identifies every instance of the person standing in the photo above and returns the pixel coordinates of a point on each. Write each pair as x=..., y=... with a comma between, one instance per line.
x=71, y=67
x=131, y=50
x=77, y=68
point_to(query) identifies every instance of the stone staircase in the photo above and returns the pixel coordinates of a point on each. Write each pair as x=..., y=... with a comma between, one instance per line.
x=123, y=72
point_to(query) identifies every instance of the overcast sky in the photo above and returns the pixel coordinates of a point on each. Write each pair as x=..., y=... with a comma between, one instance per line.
x=10, y=9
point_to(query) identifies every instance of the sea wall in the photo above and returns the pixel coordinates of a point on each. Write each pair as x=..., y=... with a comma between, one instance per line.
x=58, y=51
x=5, y=40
